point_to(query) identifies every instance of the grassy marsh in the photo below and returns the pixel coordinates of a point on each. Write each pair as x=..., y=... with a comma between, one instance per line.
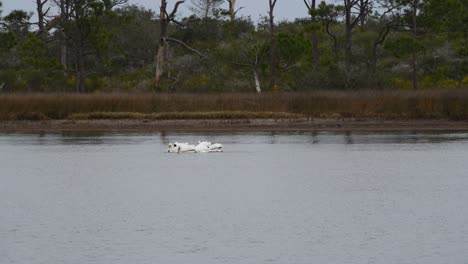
x=433, y=104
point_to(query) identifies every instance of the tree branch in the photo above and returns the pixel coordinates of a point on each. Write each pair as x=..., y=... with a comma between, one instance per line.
x=176, y=6
x=180, y=24
x=383, y=34
x=274, y=3
x=327, y=27
x=185, y=46
x=239, y=9
x=242, y=64
x=307, y=4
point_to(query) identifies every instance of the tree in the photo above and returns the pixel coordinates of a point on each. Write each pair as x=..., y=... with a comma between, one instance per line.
x=80, y=21
x=165, y=19
x=351, y=20
x=312, y=10
x=64, y=17
x=232, y=10
x=291, y=49
x=327, y=14
x=41, y=14
x=135, y=35
x=251, y=52
x=410, y=12
x=7, y=40
x=40, y=68
x=365, y=8
x=387, y=21
x=273, y=52
x=445, y=16
x=206, y=8
x=17, y=22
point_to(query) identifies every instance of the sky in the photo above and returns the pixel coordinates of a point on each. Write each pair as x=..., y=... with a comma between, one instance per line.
x=285, y=9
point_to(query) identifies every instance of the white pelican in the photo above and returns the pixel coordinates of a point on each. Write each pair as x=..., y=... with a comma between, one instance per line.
x=180, y=147
x=202, y=147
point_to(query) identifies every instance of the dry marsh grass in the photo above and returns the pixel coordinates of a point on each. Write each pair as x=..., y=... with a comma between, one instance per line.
x=187, y=115
x=448, y=104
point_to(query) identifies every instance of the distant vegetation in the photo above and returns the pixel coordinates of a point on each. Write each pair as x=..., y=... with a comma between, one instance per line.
x=434, y=104
x=109, y=45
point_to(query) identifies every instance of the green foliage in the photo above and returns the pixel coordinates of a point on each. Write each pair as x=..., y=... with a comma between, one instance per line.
x=17, y=23
x=326, y=11
x=292, y=48
x=7, y=41
x=446, y=16
x=134, y=38
x=313, y=27
x=403, y=46
x=118, y=45
x=35, y=54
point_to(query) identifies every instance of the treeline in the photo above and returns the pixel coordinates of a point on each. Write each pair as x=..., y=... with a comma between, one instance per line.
x=109, y=45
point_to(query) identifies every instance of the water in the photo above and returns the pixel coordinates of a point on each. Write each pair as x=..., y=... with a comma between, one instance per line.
x=270, y=198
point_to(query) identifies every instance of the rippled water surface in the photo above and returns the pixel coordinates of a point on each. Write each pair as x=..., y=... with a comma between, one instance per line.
x=270, y=198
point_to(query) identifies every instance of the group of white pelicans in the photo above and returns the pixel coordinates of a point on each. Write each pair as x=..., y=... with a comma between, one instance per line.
x=202, y=147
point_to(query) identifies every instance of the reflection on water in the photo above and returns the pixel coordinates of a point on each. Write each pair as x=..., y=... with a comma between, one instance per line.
x=347, y=137
x=270, y=198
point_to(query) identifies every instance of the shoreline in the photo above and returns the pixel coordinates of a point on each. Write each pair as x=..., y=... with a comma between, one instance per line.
x=236, y=125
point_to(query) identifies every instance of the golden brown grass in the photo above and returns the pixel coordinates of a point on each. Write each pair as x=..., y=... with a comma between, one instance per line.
x=449, y=104
x=187, y=115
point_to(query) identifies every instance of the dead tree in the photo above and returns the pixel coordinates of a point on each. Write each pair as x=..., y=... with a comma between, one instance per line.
x=165, y=19
x=273, y=51
x=41, y=14
x=232, y=9
x=251, y=53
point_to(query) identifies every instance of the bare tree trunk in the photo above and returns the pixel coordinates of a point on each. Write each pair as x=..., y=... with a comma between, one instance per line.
x=335, y=40
x=76, y=74
x=414, y=60
x=63, y=50
x=79, y=46
x=363, y=10
x=374, y=59
x=63, y=35
x=315, y=50
x=348, y=48
x=161, y=58
x=350, y=22
x=273, y=52
x=232, y=10
x=314, y=38
x=257, y=80
x=207, y=10
x=160, y=63
x=162, y=51
x=348, y=39
x=41, y=14
x=80, y=79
